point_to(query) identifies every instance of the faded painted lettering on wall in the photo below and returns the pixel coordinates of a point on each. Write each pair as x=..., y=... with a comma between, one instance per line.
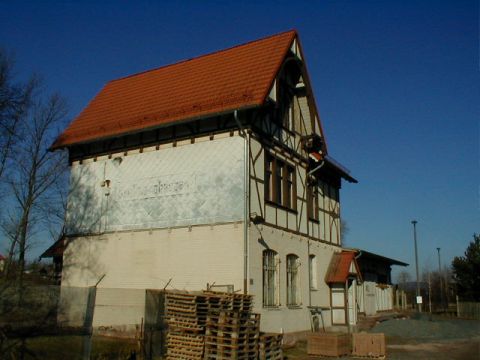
x=199, y=183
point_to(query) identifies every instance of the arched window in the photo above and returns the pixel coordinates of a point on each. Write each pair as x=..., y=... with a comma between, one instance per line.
x=293, y=280
x=270, y=278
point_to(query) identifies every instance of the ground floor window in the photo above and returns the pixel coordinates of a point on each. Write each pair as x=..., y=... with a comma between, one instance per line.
x=293, y=283
x=270, y=278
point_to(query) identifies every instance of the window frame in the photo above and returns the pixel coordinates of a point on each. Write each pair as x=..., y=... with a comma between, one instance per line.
x=280, y=183
x=270, y=279
x=313, y=208
x=293, y=280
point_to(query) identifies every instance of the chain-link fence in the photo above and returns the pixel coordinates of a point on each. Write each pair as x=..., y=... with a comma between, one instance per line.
x=59, y=322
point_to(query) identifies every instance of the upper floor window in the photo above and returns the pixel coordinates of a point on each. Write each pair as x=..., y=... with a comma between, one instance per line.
x=312, y=202
x=289, y=116
x=280, y=182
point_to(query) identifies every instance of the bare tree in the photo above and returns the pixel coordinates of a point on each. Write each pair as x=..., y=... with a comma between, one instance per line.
x=344, y=230
x=14, y=102
x=35, y=173
x=403, y=277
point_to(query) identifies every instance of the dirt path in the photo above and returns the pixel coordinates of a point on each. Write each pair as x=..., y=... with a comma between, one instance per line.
x=448, y=350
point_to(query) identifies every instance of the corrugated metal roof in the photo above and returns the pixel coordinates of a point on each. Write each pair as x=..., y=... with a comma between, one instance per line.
x=339, y=268
x=226, y=80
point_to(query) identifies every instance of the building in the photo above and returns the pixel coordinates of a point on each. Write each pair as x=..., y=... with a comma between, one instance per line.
x=3, y=259
x=376, y=292
x=212, y=171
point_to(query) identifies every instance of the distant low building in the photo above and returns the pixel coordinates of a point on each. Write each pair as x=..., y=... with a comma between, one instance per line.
x=3, y=259
x=56, y=253
x=376, y=293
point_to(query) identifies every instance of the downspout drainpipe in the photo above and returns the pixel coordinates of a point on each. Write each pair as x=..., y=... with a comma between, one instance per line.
x=308, y=248
x=363, y=288
x=246, y=217
x=318, y=167
x=309, y=275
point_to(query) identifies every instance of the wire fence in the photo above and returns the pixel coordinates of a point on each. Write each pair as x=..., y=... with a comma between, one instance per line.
x=59, y=322
x=468, y=310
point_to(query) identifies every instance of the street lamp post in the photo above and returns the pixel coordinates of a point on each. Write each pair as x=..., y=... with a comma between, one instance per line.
x=414, y=222
x=440, y=276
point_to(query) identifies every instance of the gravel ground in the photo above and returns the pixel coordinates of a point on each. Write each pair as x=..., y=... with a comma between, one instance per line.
x=419, y=338
x=423, y=329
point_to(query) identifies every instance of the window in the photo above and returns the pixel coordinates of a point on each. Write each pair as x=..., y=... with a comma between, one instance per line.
x=279, y=166
x=280, y=185
x=312, y=202
x=286, y=108
x=270, y=278
x=293, y=285
x=268, y=177
x=289, y=116
x=312, y=265
x=288, y=179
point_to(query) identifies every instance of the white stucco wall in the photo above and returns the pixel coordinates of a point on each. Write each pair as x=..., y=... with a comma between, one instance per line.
x=174, y=216
x=191, y=257
x=138, y=260
x=283, y=318
x=373, y=298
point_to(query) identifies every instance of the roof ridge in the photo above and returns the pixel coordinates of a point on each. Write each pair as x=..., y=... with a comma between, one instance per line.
x=294, y=31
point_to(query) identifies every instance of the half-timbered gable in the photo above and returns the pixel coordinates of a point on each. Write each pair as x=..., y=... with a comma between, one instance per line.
x=292, y=186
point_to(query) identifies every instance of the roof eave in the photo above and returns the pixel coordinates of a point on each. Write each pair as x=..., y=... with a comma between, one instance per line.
x=67, y=145
x=380, y=257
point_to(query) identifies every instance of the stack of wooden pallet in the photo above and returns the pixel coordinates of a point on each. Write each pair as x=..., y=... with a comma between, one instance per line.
x=232, y=335
x=226, y=301
x=186, y=316
x=270, y=347
x=214, y=325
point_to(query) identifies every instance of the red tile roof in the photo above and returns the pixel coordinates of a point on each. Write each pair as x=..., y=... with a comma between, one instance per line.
x=226, y=80
x=339, y=268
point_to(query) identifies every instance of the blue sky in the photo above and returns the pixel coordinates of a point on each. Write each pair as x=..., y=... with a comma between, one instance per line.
x=397, y=85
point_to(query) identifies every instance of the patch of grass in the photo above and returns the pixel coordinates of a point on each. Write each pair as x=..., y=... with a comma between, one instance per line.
x=69, y=347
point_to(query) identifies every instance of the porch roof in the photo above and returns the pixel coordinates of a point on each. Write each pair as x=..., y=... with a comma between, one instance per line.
x=340, y=268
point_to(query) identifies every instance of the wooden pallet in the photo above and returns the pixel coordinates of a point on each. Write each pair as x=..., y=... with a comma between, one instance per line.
x=232, y=335
x=270, y=347
x=181, y=345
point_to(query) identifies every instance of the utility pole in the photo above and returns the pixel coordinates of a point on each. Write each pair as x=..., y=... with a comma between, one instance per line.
x=414, y=222
x=442, y=300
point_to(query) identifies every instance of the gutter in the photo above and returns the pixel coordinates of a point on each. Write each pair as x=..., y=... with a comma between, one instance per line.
x=139, y=130
x=246, y=217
